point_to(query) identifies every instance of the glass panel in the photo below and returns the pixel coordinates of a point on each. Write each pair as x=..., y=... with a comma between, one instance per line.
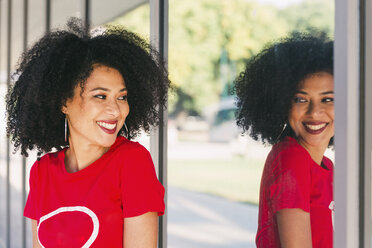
x=3, y=140
x=213, y=171
x=36, y=28
x=15, y=170
x=62, y=10
x=135, y=17
x=36, y=20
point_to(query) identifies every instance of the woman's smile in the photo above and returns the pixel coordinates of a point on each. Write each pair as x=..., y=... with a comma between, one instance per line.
x=108, y=126
x=315, y=127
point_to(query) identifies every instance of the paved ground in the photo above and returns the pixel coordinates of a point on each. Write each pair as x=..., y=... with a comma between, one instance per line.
x=197, y=220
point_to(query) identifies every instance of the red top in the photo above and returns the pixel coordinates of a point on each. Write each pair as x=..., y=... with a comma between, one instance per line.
x=87, y=208
x=291, y=179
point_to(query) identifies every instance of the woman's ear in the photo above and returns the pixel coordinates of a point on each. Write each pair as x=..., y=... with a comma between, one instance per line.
x=64, y=109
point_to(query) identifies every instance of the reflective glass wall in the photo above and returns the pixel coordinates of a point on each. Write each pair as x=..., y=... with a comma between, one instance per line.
x=214, y=172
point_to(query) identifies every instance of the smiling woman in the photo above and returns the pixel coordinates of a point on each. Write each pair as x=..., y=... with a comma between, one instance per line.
x=86, y=97
x=96, y=114
x=312, y=114
x=285, y=98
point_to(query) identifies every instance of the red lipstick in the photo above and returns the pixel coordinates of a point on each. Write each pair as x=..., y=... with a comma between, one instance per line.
x=106, y=130
x=317, y=131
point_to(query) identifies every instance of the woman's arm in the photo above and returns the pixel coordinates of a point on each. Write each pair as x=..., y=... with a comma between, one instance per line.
x=35, y=241
x=294, y=228
x=141, y=231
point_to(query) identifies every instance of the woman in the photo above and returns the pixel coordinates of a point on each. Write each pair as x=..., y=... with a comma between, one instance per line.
x=79, y=95
x=285, y=99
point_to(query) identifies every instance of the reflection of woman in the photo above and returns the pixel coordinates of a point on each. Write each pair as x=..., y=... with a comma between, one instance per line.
x=285, y=98
x=79, y=95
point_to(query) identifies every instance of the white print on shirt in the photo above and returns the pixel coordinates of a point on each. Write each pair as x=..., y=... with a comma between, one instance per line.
x=332, y=208
x=85, y=210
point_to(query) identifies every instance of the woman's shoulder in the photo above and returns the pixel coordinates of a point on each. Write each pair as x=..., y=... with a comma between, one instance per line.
x=288, y=155
x=123, y=143
x=289, y=147
x=131, y=156
x=123, y=147
x=42, y=164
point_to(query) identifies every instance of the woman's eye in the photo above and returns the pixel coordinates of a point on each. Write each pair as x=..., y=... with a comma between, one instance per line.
x=299, y=100
x=123, y=98
x=100, y=96
x=328, y=99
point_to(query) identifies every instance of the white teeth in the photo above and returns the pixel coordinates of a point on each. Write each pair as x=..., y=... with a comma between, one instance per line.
x=106, y=125
x=316, y=127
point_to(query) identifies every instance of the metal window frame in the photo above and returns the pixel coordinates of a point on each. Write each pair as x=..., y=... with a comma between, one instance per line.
x=158, y=136
x=8, y=68
x=347, y=118
x=24, y=160
x=353, y=77
x=366, y=134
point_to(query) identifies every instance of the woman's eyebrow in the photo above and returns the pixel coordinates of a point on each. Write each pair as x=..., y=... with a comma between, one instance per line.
x=301, y=92
x=99, y=88
x=323, y=93
x=328, y=92
x=105, y=89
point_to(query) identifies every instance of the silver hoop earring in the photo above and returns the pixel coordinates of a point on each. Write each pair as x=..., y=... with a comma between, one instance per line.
x=126, y=129
x=65, y=129
x=284, y=127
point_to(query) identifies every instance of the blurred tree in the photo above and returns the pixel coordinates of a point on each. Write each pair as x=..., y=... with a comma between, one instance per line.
x=202, y=32
x=310, y=14
x=210, y=39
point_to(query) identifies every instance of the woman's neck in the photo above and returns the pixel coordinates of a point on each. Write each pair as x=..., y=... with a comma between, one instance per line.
x=316, y=152
x=80, y=155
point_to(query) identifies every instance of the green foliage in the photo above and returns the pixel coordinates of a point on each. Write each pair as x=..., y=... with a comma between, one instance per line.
x=200, y=30
x=310, y=14
x=198, y=33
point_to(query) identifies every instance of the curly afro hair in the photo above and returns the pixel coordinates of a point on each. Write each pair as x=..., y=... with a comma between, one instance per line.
x=63, y=59
x=267, y=86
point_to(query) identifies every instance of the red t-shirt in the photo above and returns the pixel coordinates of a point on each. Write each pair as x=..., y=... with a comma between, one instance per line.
x=87, y=208
x=291, y=179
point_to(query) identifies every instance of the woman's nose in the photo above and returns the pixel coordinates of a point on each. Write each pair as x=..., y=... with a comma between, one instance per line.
x=315, y=109
x=112, y=108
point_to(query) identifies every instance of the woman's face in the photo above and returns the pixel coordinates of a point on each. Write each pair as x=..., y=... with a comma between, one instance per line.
x=96, y=116
x=312, y=113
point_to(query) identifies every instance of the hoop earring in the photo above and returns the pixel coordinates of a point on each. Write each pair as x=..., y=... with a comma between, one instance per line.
x=65, y=129
x=126, y=130
x=284, y=127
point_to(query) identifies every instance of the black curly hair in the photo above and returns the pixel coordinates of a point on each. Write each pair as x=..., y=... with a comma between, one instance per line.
x=267, y=86
x=49, y=72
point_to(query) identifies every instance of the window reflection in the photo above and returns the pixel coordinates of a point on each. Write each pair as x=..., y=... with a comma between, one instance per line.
x=210, y=163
